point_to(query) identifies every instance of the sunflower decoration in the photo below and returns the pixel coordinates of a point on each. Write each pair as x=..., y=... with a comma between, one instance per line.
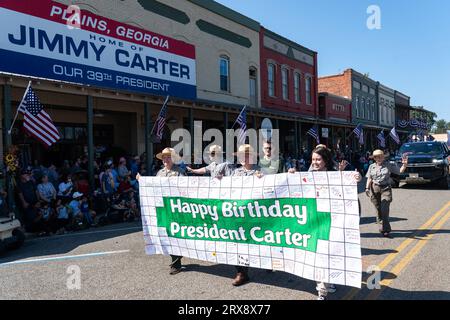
x=11, y=160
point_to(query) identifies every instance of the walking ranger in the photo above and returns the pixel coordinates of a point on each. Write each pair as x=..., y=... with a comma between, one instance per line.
x=378, y=187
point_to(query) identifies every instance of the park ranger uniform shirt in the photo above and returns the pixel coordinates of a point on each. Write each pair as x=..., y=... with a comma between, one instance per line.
x=381, y=175
x=174, y=172
x=242, y=172
x=215, y=169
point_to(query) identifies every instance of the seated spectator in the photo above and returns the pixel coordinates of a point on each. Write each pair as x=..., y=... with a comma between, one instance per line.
x=34, y=222
x=66, y=187
x=131, y=204
x=125, y=184
x=46, y=190
x=119, y=206
x=89, y=215
x=48, y=217
x=75, y=207
x=62, y=216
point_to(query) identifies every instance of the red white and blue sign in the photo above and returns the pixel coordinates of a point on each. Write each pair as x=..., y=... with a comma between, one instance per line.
x=38, y=39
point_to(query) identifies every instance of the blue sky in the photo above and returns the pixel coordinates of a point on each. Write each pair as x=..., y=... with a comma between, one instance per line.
x=410, y=53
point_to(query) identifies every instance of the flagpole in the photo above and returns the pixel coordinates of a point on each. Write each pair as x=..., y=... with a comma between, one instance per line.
x=17, y=112
x=165, y=102
x=245, y=106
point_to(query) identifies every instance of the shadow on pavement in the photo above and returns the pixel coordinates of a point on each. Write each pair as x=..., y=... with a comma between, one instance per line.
x=370, y=252
x=278, y=278
x=369, y=220
x=396, y=294
x=414, y=234
x=63, y=244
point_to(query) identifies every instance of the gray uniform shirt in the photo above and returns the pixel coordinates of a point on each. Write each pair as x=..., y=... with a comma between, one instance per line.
x=174, y=172
x=242, y=172
x=381, y=175
x=215, y=169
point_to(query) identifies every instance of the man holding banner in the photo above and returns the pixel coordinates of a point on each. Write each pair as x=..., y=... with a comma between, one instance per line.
x=246, y=157
x=168, y=156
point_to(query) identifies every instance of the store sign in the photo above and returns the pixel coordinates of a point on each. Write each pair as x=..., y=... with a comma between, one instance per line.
x=37, y=39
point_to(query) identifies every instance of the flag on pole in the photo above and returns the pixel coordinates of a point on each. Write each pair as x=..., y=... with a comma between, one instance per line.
x=37, y=122
x=420, y=135
x=381, y=139
x=394, y=136
x=314, y=132
x=161, y=121
x=242, y=121
x=358, y=131
x=361, y=137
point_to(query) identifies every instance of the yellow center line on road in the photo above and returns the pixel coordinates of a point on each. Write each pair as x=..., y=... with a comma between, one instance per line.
x=408, y=258
x=353, y=292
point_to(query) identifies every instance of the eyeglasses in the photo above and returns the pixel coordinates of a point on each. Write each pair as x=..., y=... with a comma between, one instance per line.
x=268, y=148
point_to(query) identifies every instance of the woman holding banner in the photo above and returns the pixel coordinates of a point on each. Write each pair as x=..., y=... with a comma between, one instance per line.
x=322, y=160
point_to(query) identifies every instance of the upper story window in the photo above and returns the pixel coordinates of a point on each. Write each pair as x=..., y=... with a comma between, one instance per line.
x=373, y=110
x=357, y=106
x=253, y=78
x=356, y=85
x=362, y=108
x=368, y=113
x=224, y=73
x=285, y=83
x=308, y=85
x=271, y=79
x=365, y=88
x=297, y=86
x=372, y=91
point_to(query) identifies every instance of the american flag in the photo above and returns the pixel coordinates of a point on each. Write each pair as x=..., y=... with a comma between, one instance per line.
x=161, y=121
x=358, y=131
x=381, y=139
x=242, y=121
x=314, y=132
x=394, y=136
x=37, y=122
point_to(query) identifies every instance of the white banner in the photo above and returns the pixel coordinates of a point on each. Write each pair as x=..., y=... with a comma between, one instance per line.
x=306, y=223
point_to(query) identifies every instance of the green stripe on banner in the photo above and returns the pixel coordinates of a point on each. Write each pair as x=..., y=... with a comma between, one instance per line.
x=283, y=222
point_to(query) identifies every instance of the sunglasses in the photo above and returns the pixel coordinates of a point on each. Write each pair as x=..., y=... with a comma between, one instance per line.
x=213, y=154
x=268, y=148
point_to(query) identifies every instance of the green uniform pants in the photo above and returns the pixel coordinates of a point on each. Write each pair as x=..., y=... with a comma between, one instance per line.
x=381, y=198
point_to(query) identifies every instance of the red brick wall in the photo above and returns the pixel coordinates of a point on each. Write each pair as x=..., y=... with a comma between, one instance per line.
x=278, y=102
x=340, y=85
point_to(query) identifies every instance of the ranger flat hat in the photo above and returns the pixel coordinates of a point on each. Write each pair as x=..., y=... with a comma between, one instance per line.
x=245, y=148
x=378, y=152
x=215, y=149
x=168, y=152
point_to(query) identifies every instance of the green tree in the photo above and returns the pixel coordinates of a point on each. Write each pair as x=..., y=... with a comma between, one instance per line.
x=441, y=126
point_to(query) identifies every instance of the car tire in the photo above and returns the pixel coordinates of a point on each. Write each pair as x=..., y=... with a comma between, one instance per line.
x=2, y=247
x=20, y=239
x=443, y=183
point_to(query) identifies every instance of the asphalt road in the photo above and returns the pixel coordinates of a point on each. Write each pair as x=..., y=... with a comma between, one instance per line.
x=112, y=264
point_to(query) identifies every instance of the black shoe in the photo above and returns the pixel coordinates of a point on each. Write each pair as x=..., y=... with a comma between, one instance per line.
x=174, y=270
x=387, y=235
